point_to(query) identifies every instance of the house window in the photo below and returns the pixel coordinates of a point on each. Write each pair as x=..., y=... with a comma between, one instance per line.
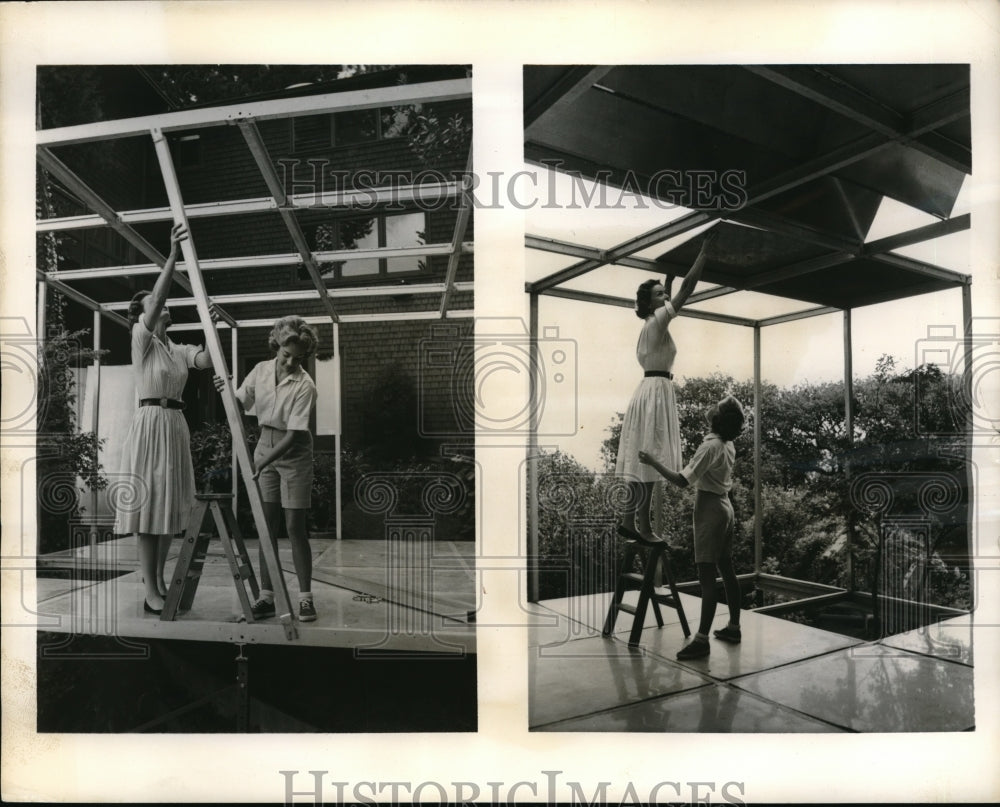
x=351, y=128
x=319, y=132
x=402, y=230
x=187, y=151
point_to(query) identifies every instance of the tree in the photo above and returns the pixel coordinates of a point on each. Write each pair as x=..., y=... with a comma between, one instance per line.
x=904, y=428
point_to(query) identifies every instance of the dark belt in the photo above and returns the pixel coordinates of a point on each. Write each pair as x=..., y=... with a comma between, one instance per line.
x=658, y=374
x=166, y=403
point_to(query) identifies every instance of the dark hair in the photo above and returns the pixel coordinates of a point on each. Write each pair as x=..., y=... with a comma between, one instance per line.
x=135, y=310
x=644, y=298
x=728, y=418
x=644, y=295
x=293, y=329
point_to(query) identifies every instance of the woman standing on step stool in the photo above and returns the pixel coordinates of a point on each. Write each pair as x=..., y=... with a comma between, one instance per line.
x=282, y=395
x=156, y=457
x=650, y=421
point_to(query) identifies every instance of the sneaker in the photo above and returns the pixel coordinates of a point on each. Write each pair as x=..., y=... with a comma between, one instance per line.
x=307, y=613
x=728, y=634
x=697, y=648
x=262, y=609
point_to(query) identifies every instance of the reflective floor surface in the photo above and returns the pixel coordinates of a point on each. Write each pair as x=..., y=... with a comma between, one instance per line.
x=783, y=676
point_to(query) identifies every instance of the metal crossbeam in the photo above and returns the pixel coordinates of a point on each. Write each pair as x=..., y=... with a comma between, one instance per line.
x=93, y=200
x=849, y=102
x=624, y=302
x=783, y=226
x=461, y=225
x=310, y=295
x=255, y=261
x=918, y=234
x=796, y=315
x=81, y=298
x=570, y=86
x=557, y=247
x=655, y=236
x=349, y=198
x=259, y=151
x=401, y=316
x=400, y=94
x=922, y=268
x=876, y=250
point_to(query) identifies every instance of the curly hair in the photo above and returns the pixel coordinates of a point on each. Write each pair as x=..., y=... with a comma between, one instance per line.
x=644, y=296
x=135, y=308
x=727, y=418
x=295, y=330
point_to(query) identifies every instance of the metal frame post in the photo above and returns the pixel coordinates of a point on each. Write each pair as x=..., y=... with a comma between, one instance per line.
x=534, y=586
x=758, y=517
x=95, y=422
x=235, y=466
x=338, y=428
x=849, y=428
x=967, y=392
x=214, y=346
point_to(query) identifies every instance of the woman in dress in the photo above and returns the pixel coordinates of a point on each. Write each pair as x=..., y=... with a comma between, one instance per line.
x=650, y=422
x=156, y=456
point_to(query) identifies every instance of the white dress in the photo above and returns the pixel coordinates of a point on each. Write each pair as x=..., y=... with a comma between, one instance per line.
x=156, y=456
x=651, y=422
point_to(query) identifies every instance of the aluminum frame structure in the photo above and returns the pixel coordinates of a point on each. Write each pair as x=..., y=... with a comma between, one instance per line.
x=918, y=130
x=547, y=288
x=189, y=271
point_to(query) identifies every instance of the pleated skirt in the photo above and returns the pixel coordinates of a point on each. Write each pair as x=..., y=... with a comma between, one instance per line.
x=650, y=425
x=158, y=475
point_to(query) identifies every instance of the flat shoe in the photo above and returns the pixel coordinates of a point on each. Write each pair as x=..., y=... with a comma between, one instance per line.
x=698, y=648
x=730, y=635
x=149, y=609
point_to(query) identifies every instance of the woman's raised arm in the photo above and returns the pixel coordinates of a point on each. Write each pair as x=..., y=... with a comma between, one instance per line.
x=693, y=276
x=162, y=286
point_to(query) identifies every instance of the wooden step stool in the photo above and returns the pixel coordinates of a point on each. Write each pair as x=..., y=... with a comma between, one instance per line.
x=655, y=553
x=187, y=573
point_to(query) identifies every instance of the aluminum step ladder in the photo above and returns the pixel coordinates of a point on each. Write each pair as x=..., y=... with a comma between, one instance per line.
x=190, y=564
x=653, y=554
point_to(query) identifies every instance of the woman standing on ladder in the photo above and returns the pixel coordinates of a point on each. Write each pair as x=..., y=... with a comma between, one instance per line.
x=651, y=417
x=156, y=457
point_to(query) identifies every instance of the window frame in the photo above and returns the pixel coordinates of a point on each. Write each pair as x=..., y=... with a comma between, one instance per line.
x=336, y=275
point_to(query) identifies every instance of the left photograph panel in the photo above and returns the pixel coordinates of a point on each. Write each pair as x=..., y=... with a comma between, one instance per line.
x=256, y=466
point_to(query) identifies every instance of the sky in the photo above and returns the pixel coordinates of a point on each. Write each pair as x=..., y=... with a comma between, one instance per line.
x=577, y=411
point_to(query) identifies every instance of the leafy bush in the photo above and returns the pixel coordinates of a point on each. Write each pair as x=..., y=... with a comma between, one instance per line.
x=904, y=429
x=65, y=455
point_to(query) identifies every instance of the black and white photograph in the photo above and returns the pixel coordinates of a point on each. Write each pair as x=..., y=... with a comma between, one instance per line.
x=256, y=502
x=754, y=512
x=498, y=403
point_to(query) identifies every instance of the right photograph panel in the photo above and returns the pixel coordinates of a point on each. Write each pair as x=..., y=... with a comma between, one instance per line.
x=753, y=508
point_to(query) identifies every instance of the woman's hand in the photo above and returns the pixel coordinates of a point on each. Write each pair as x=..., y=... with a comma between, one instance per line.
x=219, y=382
x=177, y=234
x=214, y=313
x=645, y=458
x=256, y=471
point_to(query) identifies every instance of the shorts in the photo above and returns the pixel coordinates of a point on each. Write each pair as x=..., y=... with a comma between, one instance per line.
x=713, y=526
x=288, y=480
